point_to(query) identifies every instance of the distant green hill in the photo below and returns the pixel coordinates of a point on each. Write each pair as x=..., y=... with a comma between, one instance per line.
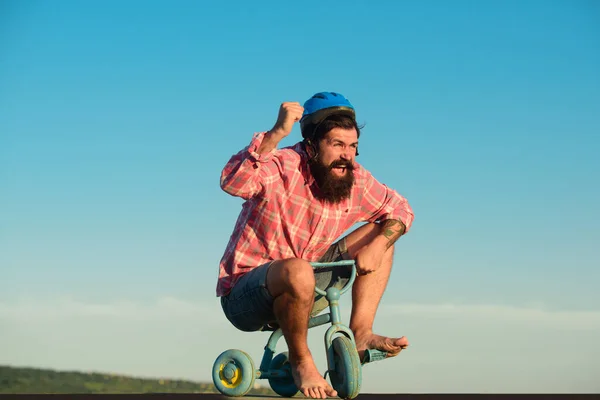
x=35, y=380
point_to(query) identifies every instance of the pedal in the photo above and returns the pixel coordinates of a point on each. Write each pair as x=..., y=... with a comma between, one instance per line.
x=372, y=355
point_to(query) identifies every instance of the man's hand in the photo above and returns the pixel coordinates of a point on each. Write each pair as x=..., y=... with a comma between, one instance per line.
x=368, y=259
x=289, y=114
x=370, y=256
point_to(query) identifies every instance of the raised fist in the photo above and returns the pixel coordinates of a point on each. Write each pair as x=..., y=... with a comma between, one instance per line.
x=289, y=114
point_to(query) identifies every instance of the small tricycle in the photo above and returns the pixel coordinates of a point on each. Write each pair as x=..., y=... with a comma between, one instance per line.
x=234, y=372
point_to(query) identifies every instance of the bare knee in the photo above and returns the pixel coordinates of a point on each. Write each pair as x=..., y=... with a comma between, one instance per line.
x=294, y=276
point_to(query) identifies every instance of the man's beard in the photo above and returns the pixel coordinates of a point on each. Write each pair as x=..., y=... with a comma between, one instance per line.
x=333, y=189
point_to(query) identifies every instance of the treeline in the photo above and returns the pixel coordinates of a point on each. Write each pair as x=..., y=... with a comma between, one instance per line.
x=43, y=381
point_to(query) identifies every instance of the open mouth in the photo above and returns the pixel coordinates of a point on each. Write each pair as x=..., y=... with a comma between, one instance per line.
x=340, y=170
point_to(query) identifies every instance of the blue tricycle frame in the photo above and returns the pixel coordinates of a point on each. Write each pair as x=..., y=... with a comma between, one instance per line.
x=234, y=371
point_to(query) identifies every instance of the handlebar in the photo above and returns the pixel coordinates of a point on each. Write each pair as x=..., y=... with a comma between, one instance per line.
x=323, y=265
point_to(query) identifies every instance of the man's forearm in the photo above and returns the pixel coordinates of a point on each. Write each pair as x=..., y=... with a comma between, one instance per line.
x=270, y=141
x=391, y=230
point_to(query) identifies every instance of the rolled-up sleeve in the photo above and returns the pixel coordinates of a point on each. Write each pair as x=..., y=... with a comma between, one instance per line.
x=247, y=172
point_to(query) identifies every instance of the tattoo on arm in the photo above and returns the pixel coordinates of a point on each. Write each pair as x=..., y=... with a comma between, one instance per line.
x=392, y=230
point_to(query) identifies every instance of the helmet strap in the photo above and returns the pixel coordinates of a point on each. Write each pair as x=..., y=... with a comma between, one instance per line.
x=311, y=147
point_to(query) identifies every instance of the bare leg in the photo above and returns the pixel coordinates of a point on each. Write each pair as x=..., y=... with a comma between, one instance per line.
x=292, y=284
x=366, y=295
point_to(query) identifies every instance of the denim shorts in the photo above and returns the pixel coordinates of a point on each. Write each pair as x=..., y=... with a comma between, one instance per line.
x=249, y=305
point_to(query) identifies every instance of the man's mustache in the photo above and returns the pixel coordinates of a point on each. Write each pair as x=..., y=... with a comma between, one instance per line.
x=341, y=163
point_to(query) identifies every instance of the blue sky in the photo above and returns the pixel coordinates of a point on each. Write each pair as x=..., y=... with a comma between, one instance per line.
x=117, y=118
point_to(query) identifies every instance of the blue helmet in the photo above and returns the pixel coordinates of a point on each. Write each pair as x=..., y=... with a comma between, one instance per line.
x=321, y=106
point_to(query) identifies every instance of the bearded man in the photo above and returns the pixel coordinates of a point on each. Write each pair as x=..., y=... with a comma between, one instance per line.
x=299, y=200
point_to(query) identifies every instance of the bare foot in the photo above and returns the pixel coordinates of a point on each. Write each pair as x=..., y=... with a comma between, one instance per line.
x=369, y=340
x=310, y=382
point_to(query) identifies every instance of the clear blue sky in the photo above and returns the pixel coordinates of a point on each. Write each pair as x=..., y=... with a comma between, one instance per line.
x=117, y=117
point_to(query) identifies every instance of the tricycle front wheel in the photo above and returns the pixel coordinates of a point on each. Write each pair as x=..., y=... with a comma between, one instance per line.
x=347, y=376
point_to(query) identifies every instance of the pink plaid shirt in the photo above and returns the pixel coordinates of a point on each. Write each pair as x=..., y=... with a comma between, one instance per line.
x=281, y=218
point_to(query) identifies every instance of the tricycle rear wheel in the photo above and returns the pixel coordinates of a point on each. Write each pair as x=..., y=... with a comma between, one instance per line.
x=283, y=386
x=233, y=373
